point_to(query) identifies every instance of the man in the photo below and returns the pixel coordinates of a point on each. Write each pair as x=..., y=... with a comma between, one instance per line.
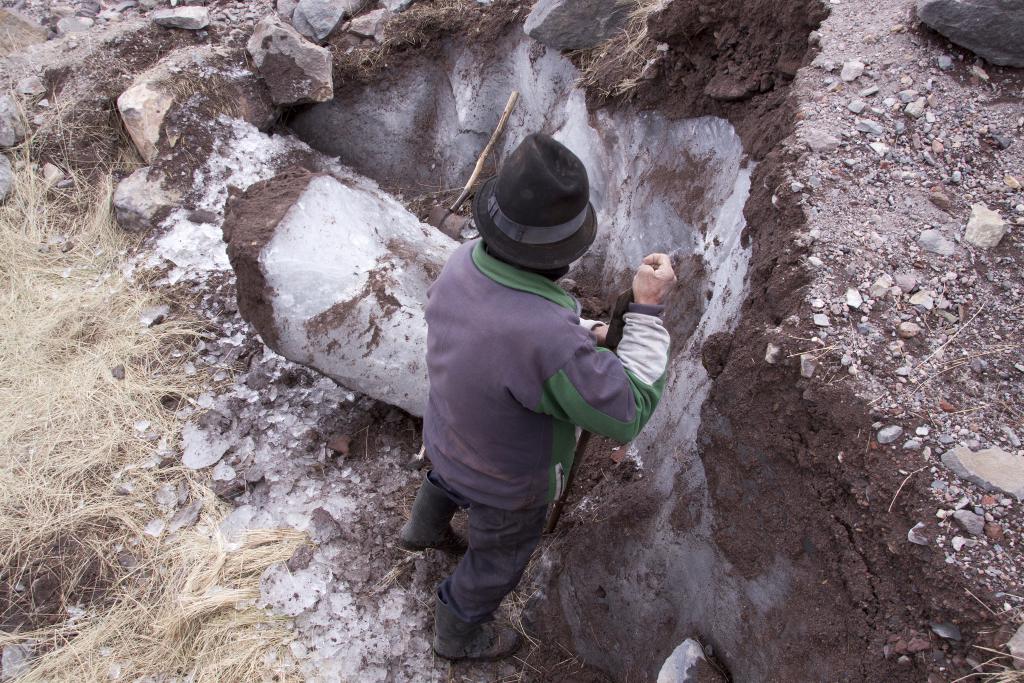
x=513, y=374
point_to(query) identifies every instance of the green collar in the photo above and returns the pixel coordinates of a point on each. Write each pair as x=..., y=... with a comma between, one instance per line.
x=514, y=278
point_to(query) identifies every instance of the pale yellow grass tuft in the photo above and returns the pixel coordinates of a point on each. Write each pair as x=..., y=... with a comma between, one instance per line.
x=618, y=65
x=79, y=466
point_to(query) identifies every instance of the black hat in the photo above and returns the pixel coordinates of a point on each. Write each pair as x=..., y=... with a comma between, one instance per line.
x=536, y=212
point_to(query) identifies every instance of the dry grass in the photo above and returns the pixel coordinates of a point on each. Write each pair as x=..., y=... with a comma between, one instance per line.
x=79, y=465
x=618, y=65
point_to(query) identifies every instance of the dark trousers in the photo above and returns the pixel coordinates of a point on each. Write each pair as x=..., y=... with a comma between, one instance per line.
x=500, y=545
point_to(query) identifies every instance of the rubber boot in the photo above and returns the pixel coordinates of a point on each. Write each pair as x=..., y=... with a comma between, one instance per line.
x=455, y=639
x=429, y=526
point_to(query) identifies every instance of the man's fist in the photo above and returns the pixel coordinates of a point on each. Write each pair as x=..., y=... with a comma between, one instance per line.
x=654, y=280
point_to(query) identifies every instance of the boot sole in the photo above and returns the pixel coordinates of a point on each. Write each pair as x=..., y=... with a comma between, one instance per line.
x=482, y=658
x=415, y=548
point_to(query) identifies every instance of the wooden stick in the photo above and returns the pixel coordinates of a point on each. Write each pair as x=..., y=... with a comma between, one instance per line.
x=512, y=99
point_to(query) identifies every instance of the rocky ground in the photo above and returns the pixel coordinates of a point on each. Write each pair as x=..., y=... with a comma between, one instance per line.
x=905, y=169
x=911, y=180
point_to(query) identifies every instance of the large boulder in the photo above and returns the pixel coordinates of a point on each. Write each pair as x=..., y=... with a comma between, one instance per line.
x=143, y=107
x=576, y=24
x=316, y=19
x=17, y=32
x=993, y=29
x=294, y=69
x=12, y=126
x=141, y=201
x=333, y=274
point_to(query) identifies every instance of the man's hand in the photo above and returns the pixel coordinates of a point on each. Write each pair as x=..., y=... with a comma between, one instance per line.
x=654, y=280
x=599, y=332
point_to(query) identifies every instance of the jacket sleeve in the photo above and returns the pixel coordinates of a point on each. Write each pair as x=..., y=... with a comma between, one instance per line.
x=608, y=394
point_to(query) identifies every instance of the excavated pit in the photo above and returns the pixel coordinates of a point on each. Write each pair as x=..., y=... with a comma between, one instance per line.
x=677, y=186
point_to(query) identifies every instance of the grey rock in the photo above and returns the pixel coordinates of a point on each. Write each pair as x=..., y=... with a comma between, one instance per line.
x=869, y=126
x=992, y=468
x=821, y=320
x=916, y=534
x=985, y=228
x=912, y=445
x=970, y=522
x=1016, y=648
x=908, y=330
x=316, y=19
x=12, y=127
x=772, y=354
x=820, y=140
x=857, y=106
x=946, y=630
x=907, y=282
x=16, y=660
x=286, y=8
x=933, y=241
x=185, y=517
x=852, y=70
x=923, y=300
x=396, y=5
x=989, y=28
x=30, y=86
x=854, y=298
x=945, y=62
x=294, y=69
x=575, y=24
x=880, y=287
x=889, y=434
x=370, y=25
x=140, y=201
x=807, y=365
x=916, y=108
x=189, y=17
x=74, y=25
x=6, y=177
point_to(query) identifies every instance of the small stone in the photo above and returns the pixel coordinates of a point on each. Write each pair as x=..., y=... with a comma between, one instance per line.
x=916, y=534
x=958, y=543
x=815, y=261
x=946, y=630
x=970, y=522
x=74, y=25
x=1016, y=648
x=880, y=287
x=907, y=96
x=857, y=106
x=879, y=148
x=940, y=199
x=117, y=372
x=154, y=315
x=52, y=175
x=906, y=282
x=821, y=320
x=1012, y=182
x=869, y=126
x=853, y=298
x=12, y=128
x=889, y=434
x=819, y=140
x=189, y=17
x=916, y=108
x=933, y=241
x=985, y=228
x=908, y=330
x=923, y=299
x=317, y=19
x=807, y=365
x=185, y=517
x=852, y=70
x=912, y=445
x=869, y=91
x=30, y=86
x=6, y=177
x=945, y=62
x=772, y=354
x=994, y=532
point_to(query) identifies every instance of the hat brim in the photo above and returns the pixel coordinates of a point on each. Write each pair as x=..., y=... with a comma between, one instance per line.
x=535, y=256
